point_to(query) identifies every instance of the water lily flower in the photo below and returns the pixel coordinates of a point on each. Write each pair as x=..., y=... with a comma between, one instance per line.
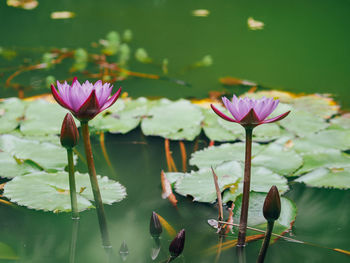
x=250, y=112
x=85, y=100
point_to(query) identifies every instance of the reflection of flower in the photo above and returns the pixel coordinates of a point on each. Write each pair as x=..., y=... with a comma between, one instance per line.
x=250, y=112
x=85, y=100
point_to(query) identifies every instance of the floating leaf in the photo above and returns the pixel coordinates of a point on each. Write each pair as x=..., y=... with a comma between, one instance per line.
x=11, y=168
x=256, y=218
x=342, y=121
x=261, y=181
x=323, y=140
x=324, y=177
x=278, y=159
x=46, y=155
x=121, y=118
x=200, y=184
x=50, y=191
x=179, y=120
x=38, y=124
x=216, y=155
x=11, y=111
x=329, y=159
x=7, y=252
x=303, y=123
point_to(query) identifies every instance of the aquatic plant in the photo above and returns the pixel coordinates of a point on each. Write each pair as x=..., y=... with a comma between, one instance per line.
x=69, y=139
x=177, y=245
x=85, y=102
x=249, y=113
x=271, y=212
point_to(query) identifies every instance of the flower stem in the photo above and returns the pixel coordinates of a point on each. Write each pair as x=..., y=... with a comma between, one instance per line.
x=94, y=185
x=246, y=188
x=72, y=190
x=266, y=242
x=73, y=244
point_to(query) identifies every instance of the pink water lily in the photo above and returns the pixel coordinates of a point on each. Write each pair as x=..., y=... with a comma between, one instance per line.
x=85, y=100
x=250, y=112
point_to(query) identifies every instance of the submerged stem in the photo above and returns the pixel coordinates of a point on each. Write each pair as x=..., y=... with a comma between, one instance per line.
x=266, y=242
x=94, y=185
x=246, y=188
x=73, y=244
x=72, y=188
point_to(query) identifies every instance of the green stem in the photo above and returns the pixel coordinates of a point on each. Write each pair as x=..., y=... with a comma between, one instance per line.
x=94, y=184
x=241, y=254
x=73, y=244
x=266, y=242
x=246, y=188
x=72, y=188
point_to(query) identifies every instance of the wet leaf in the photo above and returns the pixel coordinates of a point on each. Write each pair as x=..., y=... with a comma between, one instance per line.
x=342, y=121
x=324, y=177
x=179, y=120
x=256, y=218
x=121, y=118
x=303, y=123
x=200, y=184
x=11, y=168
x=46, y=155
x=330, y=159
x=50, y=191
x=11, y=111
x=261, y=181
x=38, y=124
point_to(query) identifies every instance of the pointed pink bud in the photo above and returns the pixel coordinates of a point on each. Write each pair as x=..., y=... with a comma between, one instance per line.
x=69, y=132
x=177, y=245
x=272, y=205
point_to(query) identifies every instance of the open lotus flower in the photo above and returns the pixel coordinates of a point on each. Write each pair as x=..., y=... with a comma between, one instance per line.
x=250, y=112
x=85, y=100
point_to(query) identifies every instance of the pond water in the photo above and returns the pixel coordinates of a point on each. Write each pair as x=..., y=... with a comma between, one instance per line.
x=302, y=48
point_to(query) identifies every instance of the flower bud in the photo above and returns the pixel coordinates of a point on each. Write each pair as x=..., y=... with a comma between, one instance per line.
x=177, y=245
x=69, y=132
x=155, y=228
x=272, y=205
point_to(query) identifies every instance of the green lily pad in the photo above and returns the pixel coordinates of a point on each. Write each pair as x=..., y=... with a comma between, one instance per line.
x=10, y=167
x=330, y=159
x=179, y=120
x=303, y=123
x=261, y=181
x=50, y=191
x=215, y=155
x=46, y=155
x=255, y=212
x=200, y=184
x=323, y=140
x=324, y=177
x=43, y=118
x=212, y=128
x=11, y=111
x=174, y=176
x=7, y=252
x=278, y=159
x=121, y=119
x=342, y=121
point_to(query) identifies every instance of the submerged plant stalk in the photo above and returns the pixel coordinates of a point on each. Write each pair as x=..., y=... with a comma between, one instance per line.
x=266, y=242
x=72, y=188
x=94, y=185
x=73, y=244
x=246, y=188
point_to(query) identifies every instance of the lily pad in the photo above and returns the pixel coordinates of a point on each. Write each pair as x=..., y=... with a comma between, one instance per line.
x=179, y=120
x=342, y=121
x=43, y=118
x=324, y=177
x=255, y=212
x=261, y=181
x=216, y=155
x=200, y=184
x=303, y=123
x=11, y=111
x=278, y=159
x=46, y=155
x=50, y=191
x=121, y=119
x=10, y=167
x=330, y=159
x=212, y=128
